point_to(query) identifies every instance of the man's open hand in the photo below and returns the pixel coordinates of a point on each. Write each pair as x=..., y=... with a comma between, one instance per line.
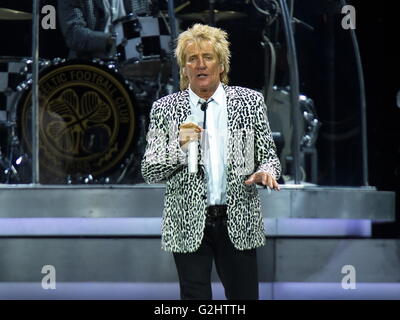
x=263, y=179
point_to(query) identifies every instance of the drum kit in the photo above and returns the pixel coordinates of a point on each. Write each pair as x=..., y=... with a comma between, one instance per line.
x=93, y=115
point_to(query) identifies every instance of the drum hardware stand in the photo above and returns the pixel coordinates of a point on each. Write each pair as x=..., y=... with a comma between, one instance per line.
x=363, y=104
x=271, y=13
x=85, y=179
x=174, y=35
x=6, y=164
x=7, y=167
x=294, y=87
x=309, y=139
x=125, y=167
x=88, y=179
x=269, y=75
x=283, y=10
x=35, y=92
x=300, y=145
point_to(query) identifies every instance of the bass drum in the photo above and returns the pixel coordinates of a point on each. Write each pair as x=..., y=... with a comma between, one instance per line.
x=14, y=71
x=87, y=123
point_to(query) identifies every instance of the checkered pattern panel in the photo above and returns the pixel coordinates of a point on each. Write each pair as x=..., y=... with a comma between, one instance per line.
x=11, y=75
x=150, y=39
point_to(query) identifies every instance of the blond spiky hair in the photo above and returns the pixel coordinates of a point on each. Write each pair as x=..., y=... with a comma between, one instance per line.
x=198, y=33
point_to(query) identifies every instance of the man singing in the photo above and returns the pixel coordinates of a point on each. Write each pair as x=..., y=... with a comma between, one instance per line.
x=214, y=213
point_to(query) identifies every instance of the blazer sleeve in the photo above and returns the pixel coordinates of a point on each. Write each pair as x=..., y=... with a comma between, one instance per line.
x=265, y=150
x=163, y=155
x=78, y=36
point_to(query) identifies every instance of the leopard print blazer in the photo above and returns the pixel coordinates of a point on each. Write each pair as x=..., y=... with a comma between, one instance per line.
x=251, y=148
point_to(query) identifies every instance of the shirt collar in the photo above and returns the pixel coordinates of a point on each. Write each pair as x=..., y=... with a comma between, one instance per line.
x=219, y=96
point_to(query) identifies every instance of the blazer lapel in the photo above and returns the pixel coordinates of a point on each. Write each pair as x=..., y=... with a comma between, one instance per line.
x=233, y=105
x=183, y=106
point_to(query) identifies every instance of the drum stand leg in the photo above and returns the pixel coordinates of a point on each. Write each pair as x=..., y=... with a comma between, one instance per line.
x=4, y=166
x=128, y=164
x=6, y=163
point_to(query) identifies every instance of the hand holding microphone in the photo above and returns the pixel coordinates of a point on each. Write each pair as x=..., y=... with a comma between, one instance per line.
x=189, y=134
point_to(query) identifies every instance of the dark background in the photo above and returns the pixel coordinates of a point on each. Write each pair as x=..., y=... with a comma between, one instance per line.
x=327, y=75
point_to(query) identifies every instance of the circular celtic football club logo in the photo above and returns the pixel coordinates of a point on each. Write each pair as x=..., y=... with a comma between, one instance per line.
x=86, y=120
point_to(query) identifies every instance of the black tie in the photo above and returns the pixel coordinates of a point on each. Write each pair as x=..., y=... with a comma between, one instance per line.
x=203, y=107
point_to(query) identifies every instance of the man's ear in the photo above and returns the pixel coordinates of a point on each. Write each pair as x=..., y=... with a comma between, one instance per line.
x=222, y=67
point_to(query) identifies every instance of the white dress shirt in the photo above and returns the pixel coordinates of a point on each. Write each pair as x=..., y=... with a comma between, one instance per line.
x=214, y=142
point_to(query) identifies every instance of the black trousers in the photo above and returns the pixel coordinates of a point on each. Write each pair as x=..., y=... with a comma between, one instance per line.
x=237, y=269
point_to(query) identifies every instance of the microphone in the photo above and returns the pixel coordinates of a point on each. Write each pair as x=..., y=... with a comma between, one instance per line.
x=192, y=148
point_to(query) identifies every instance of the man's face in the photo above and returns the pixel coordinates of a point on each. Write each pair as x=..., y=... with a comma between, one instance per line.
x=202, y=68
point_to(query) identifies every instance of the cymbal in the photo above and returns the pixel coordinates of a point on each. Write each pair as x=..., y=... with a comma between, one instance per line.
x=9, y=14
x=204, y=16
